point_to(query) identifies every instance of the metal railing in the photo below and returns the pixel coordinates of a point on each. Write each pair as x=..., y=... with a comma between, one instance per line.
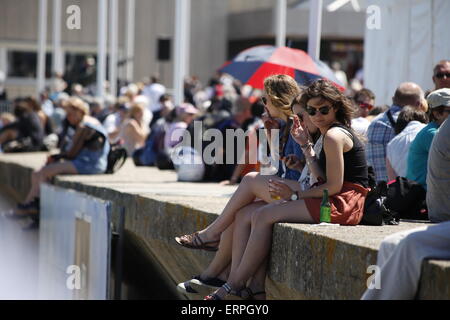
x=6, y=106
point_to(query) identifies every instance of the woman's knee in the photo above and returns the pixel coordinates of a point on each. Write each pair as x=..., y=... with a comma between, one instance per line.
x=261, y=217
x=242, y=217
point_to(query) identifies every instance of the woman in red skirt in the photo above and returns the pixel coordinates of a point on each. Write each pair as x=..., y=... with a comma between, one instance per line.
x=341, y=168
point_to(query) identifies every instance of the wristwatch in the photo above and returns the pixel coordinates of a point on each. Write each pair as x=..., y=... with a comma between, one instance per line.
x=294, y=196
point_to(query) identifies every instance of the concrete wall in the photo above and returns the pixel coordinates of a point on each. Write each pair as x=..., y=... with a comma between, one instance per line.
x=307, y=262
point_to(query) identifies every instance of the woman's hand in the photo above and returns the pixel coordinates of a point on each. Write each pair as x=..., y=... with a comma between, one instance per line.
x=299, y=132
x=280, y=190
x=269, y=122
x=293, y=162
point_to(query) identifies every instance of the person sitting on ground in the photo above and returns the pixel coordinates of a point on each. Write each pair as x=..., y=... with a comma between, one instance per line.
x=50, y=138
x=6, y=118
x=215, y=275
x=133, y=131
x=88, y=154
x=401, y=255
x=185, y=114
x=410, y=121
x=114, y=120
x=340, y=167
x=249, y=161
x=439, y=103
x=26, y=134
x=381, y=129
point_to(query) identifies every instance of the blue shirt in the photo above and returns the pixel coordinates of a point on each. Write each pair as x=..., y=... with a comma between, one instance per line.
x=418, y=154
x=379, y=134
x=291, y=147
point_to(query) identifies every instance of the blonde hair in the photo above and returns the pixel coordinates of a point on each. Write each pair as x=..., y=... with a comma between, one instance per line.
x=134, y=109
x=281, y=89
x=78, y=104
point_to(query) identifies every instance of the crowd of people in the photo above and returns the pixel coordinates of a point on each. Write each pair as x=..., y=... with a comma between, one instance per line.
x=327, y=141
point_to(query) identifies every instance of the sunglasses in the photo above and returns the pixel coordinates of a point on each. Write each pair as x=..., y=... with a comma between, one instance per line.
x=441, y=75
x=264, y=100
x=323, y=110
x=364, y=105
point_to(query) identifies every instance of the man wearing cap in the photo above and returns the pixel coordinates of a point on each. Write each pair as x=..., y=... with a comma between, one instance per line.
x=439, y=104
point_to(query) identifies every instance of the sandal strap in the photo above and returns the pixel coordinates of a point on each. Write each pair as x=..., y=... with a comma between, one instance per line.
x=212, y=296
x=227, y=287
x=194, y=241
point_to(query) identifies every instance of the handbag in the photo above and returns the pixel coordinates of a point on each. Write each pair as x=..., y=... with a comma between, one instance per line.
x=376, y=213
x=407, y=199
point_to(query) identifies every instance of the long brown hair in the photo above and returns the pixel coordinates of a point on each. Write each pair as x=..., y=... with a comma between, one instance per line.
x=324, y=89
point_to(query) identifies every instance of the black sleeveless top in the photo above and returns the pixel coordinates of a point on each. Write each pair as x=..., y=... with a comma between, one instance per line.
x=355, y=164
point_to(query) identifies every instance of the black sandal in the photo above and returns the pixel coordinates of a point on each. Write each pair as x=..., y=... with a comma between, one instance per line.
x=215, y=296
x=193, y=241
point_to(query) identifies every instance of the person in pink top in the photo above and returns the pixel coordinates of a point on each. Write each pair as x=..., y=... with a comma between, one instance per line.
x=186, y=113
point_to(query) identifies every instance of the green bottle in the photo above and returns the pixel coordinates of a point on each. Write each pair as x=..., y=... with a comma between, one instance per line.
x=325, y=208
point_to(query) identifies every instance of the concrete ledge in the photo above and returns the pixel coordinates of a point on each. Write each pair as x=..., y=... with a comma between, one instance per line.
x=307, y=261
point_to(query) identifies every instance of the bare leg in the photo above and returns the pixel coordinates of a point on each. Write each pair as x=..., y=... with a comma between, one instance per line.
x=259, y=243
x=242, y=230
x=47, y=173
x=252, y=186
x=220, y=265
x=258, y=282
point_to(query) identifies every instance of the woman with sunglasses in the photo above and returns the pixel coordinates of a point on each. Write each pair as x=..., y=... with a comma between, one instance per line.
x=217, y=272
x=340, y=167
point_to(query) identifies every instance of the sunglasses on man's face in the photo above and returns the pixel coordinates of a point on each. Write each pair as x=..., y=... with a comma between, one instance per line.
x=323, y=110
x=441, y=75
x=367, y=106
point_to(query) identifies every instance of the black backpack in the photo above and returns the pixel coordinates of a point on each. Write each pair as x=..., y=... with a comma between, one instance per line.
x=116, y=158
x=376, y=212
x=407, y=198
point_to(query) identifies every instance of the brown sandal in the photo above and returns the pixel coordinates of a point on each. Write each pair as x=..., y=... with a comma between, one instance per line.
x=193, y=241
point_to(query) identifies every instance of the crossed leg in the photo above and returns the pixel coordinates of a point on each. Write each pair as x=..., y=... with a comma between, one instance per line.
x=251, y=187
x=240, y=228
x=256, y=250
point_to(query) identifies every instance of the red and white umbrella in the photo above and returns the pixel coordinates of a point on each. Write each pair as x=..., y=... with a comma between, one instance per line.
x=253, y=65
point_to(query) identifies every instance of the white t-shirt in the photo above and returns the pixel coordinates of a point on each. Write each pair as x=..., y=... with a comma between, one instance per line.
x=360, y=125
x=398, y=148
x=307, y=179
x=112, y=122
x=153, y=92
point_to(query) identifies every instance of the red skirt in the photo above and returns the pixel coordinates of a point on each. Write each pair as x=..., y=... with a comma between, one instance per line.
x=347, y=206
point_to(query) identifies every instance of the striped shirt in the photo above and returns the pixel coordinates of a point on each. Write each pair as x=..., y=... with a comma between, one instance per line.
x=379, y=134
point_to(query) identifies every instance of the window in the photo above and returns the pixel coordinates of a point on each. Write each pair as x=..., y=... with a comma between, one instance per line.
x=23, y=64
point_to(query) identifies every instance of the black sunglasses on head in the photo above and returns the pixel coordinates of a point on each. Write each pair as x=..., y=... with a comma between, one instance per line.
x=323, y=110
x=441, y=75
